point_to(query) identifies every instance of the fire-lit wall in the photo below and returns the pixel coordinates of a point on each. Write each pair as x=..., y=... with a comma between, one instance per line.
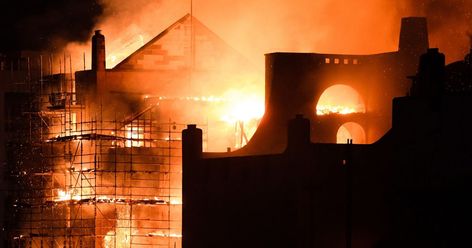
x=187, y=61
x=100, y=158
x=406, y=190
x=104, y=169
x=295, y=83
x=95, y=183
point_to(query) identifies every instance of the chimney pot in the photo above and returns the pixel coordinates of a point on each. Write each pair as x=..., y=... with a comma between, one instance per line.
x=98, y=52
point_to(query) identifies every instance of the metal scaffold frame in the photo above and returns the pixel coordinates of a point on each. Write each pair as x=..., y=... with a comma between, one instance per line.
x=90, y=182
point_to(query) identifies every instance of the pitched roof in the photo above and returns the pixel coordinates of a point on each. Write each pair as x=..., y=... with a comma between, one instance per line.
x=171, y=48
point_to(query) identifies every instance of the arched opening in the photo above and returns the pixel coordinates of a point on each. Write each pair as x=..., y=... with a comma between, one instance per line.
x=340, y=99
x=351, y=130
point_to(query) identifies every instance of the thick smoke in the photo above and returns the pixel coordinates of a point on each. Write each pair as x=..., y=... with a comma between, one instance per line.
x=47, y=24
x=357, y=26
x=252, y=27
x=262, y=26
x=258, y=27
x=450, y=24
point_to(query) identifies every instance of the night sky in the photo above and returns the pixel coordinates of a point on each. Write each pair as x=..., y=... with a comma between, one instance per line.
x=46, y=24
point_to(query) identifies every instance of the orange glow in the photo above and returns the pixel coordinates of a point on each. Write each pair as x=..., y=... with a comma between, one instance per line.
x=128, y=20
x=120, y=238
x=337, y=109
x=108, y=241
x=240, y=112
x=135, y=136
x=164, y=234
x=233, y=115
x=122, y=49
x=67, y=196
x=242, y=106
x=353, y=131
x=340, y=99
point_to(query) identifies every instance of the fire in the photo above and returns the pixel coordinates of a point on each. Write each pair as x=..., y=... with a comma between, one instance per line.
x=238, y=110
x=164, y=234
x=176, y=202
x=108, y=240
x=242, y=114
x=242, y=107
x=67, y=196
x=122, y=48
x=340, y=99
x=337, y=109
x=135, y=136
x=121, y=236
x=187, y=98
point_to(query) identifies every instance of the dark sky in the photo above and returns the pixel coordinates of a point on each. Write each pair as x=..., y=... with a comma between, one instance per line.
x=46, y=24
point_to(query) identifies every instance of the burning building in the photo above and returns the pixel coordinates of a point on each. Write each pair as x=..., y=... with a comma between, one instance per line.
x=95, y=156
x=344, y=96
x=408, y=189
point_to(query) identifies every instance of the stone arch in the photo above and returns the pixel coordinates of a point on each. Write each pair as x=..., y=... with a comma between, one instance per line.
x=351, y=130
x=340, y=99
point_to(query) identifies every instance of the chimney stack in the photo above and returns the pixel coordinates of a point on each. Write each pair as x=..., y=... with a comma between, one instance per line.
x=298, y=137
x=429, y=82
x=414, y=39
x=98, y=51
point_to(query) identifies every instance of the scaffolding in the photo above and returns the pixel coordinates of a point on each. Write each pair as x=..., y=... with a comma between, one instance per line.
x=82, y=181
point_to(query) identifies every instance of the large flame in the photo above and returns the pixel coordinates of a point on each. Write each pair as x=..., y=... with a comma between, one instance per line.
x=340, y=99
x=67, y=195
x=242, y=106
x=122, y=48
x=335, y=109
x=234, y=116
x=134, y=136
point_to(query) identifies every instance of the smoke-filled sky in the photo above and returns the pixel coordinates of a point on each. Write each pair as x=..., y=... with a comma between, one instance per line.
x=253, y=27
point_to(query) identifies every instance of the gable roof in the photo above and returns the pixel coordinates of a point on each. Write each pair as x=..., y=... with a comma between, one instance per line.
x=171, y=49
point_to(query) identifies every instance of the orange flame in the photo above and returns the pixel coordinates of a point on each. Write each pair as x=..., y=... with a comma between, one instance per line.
x=342, y=110
x=340, y=99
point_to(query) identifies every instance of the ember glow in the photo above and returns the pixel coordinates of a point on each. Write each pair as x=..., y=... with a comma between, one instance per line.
x=134, y=136
x=235, y=115
x=337, y=109
x=67, y=195
x=340, y=99
x=121, y=180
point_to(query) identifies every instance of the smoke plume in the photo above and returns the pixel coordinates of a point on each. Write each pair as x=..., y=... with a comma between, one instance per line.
x=449, y=22
x=327, y=26
x=252, y=27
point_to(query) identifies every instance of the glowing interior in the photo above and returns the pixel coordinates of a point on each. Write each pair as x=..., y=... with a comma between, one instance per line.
x=340, y=99
x=351, y=130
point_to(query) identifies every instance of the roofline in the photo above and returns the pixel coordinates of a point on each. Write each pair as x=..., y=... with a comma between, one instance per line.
x=332, y=54
x=149, y=43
